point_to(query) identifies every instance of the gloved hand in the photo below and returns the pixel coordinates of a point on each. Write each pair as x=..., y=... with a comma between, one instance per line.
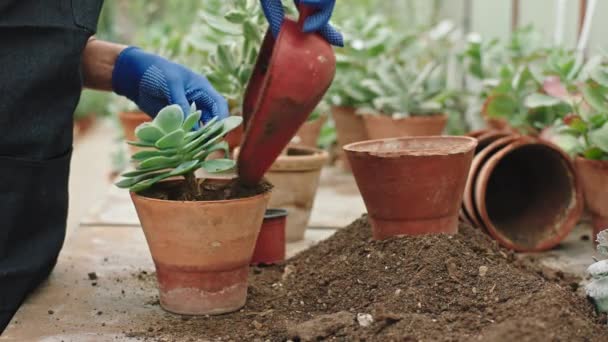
x=319, y=22
x=153, y=82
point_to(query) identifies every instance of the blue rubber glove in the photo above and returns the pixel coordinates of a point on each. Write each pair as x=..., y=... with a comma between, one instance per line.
x=319, y=22
x=153, y=82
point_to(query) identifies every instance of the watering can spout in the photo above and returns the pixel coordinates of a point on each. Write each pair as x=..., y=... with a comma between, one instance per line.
x=290, y=77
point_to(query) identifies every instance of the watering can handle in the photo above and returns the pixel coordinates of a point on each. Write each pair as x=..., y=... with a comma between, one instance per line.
x=305, y=12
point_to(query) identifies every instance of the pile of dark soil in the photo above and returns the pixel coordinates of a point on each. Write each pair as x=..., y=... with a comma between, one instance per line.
x=431, y=288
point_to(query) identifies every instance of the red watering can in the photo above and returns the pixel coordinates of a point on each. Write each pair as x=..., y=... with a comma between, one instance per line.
x=291, y=75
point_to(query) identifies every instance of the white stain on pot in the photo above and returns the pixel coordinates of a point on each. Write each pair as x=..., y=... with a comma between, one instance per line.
x=216, y=244
x=322, y=59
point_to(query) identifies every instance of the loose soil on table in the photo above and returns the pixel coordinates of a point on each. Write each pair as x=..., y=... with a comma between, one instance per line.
x=209, y=190
x=430, y=288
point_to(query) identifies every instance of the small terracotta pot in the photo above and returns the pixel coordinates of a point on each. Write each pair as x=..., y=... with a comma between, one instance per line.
x=234, y=138
x=593, y=175
x=384, y=126
x=527, y=195
x=469, y=207
x=201, y=250
x=295, y=178
x=270, y=246
x=349, y=129
x=309, y=132
x=412, y=185
x=129, y=122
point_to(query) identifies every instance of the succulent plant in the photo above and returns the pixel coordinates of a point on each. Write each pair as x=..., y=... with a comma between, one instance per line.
x=597, y=289
x=175, y=148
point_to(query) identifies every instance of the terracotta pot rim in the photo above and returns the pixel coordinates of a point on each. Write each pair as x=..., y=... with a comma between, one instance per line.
x=133, y=114
x=200, y=203
x=479, y=160
x=595, y=162
x=463, y=144
x=569, y=220
x=275, y=213
x=315, y=160
x=412, y=117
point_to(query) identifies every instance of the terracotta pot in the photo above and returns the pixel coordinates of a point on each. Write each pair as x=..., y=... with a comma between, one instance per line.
x=295, y=177
x=384, y=126
x=412, y=185
x=129, y=122
x=270, y=246
x=481, y=156
x=83, y=125
x=201, y=250
x=234, y=137
x=349, y=129
x=593, y=175
x=309, y=132
x=527, y=195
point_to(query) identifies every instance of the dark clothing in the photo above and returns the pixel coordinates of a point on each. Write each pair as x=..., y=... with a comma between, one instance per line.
x=41, y=43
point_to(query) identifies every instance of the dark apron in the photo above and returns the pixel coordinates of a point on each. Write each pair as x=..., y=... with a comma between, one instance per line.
x=41, y=43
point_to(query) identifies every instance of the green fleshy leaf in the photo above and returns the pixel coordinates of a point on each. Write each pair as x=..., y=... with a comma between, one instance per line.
x=501, y=105
x=141, y=186
x=210, y=131
x=140, y=172
x=169, y=118
x=231, y=123
x=218, y=165
x=159, y=162
x=206, y=151
x=600, y=75
x=143, y=155
x=190, y=136
x=148, y=132
x=171, y=140
x=537, y=100
x=140, y=143
x=599, y=138
x=235, y=16
x=129, y=182
x=595, y=97
x=184, y=168
x=593, y=153
x=191, y=121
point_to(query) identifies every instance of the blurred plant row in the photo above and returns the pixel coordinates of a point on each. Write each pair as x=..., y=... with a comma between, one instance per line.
x=388, y=67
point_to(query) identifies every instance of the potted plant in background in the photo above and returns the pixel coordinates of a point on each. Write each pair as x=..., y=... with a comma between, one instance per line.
x=308, y=135
x=408, y=101
x=584, y=134
x=200, y=248
x=130, y=117
x=92, y=104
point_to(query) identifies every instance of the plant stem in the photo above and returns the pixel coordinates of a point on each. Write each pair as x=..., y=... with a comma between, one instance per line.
x=192, y=188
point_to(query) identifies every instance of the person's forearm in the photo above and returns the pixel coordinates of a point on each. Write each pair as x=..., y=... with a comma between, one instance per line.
x=98, y=61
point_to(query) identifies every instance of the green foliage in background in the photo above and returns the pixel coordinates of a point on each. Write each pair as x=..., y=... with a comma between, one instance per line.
x=92, y=102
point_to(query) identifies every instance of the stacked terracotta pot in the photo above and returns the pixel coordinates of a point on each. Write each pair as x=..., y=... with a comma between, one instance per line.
x=523, y=191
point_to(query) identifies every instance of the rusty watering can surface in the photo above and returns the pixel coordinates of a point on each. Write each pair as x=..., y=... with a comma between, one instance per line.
x=291, y=75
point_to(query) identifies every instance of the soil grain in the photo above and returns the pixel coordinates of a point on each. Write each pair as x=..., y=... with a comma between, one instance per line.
x=428, y=288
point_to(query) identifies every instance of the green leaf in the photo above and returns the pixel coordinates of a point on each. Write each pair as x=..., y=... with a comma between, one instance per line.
x=501, y=105
x=600, y=75
x=191, y=120
x=225, y=58
x=235, y=17
x=140, y=143
x=570, y=144
x=171, y=140
x=209, y=131
x=184, y=168
x=129, y=182
x=598, y=120
x=142, y=155
x=169, y=118
x=537, y=100
x=141, y=186
x=231, y=123
x=251, y=32
x=140, y=172
x=159, y=162
x=207, y=150
x=599, y=138
x=148, y=132
x=218, y=165
x=190, y=136
x=594, y=153
x=595, y=97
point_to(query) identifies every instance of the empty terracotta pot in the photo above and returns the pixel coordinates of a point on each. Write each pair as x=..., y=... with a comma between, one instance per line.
x=481, y=157
x=129, y=122
x=412, y=185
x=309, y=132
x=201, y=250
x=384, y=126
x=295, y=177
x=527, y=195
x=349, y=129
x=270, y=246
x=593, y=175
